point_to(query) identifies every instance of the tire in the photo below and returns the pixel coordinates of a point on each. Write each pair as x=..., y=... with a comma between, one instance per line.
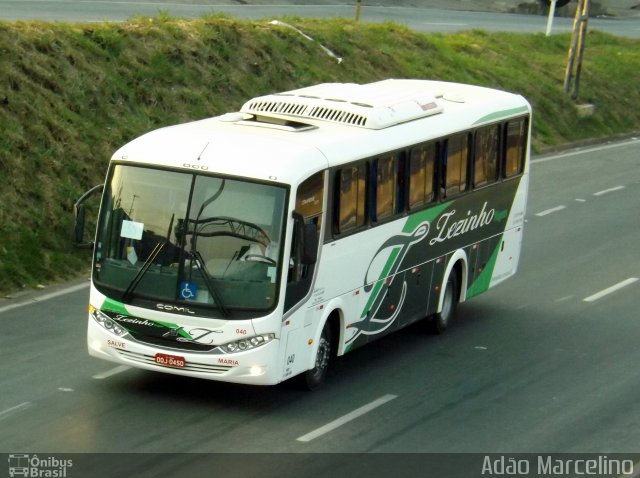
x=312, y=379
x=442, y=320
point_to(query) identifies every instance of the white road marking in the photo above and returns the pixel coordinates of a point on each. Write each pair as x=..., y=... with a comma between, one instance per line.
x=44, y=297
x=346, y=418
x=550, y=211
x=10, y=411
x=562, y=299
x=610, y=190
x=610, y=290
x=110, y=373
x=581, y=200
x=583, y=151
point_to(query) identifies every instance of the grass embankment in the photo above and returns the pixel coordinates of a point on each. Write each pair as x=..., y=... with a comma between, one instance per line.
x=71, y=94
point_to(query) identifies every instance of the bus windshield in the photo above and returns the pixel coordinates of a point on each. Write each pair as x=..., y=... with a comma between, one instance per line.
x=208, y=242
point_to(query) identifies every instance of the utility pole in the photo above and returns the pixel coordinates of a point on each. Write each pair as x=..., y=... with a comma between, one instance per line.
x=552, y=4
x=358, y=7
x=578, y=35
x=552, y=12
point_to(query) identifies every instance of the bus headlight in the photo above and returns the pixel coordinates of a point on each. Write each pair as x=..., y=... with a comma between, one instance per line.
x=247, y=344
x=106, y=322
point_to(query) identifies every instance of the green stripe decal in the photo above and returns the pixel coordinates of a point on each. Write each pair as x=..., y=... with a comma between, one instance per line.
x=114, y=306
x=500, y=215
x=481, y=284
x=502, y=114
x=413, y=221
x=429, y=215
x=119, y=308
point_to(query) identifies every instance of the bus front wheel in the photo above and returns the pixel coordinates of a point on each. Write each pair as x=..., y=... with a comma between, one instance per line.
x=441, y=320
x=313, y=378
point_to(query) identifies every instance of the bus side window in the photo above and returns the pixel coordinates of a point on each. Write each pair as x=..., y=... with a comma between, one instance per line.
x=515, y=146
x=456, y=164
x=351, y=196
x=485, y=164
x=386, y=200
x=421, y=175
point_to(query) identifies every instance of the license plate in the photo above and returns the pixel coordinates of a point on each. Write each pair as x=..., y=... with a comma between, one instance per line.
x=170, y=361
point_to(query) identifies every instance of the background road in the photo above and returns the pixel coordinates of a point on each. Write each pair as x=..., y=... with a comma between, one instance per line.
x=546, y=362
x=420, y=19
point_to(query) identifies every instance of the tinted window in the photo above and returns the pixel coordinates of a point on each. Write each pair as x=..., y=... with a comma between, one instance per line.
x=456, y=165
x=486, y=156
x=386, y=187
x=421, y=168
x=515, y=146
x=351, y=197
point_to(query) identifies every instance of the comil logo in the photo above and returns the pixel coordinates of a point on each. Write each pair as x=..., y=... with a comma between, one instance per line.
x=38, y=467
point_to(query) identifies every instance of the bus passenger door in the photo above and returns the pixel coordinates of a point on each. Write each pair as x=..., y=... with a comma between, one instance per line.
x=307, y=222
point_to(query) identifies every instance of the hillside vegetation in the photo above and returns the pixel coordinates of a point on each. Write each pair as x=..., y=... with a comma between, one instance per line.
x=72, y=94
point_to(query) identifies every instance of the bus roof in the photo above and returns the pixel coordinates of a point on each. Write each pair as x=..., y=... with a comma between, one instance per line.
x=287, y=136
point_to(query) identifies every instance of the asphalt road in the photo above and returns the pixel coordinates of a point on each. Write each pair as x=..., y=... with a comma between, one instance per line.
x=546, y=362
x=420, y=19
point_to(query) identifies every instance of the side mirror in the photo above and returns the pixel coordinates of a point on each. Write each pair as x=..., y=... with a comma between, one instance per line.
x=79, y=211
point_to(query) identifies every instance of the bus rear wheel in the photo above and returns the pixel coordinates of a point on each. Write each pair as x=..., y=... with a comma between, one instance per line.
x=312, y=379
x=440, y=321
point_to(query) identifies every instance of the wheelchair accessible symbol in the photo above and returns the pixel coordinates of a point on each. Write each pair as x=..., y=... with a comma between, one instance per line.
x=188, y=290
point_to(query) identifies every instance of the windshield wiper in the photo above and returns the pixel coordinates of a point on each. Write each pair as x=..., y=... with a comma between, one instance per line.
x=145, y=266
x=207, y=280
x=199, y=261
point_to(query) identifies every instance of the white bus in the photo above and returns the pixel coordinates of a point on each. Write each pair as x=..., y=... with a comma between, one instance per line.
x=259, y=245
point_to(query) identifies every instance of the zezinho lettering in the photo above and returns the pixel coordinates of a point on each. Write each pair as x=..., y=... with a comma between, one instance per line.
x=133, y=320
x=448, y=229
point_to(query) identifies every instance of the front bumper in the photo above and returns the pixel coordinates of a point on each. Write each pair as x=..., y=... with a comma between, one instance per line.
x=259, y=366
